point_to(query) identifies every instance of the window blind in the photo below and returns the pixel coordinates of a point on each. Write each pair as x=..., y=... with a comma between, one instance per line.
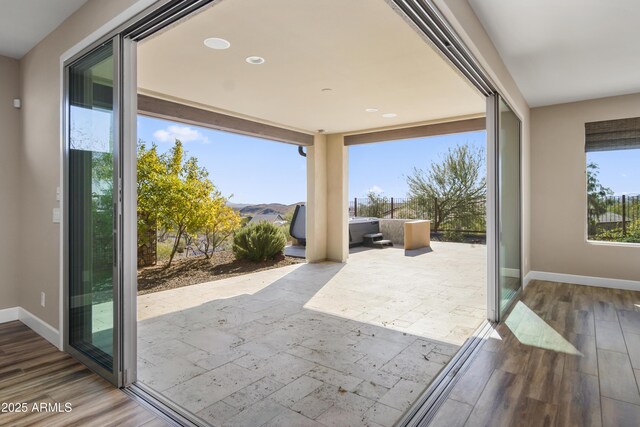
x=608, y=135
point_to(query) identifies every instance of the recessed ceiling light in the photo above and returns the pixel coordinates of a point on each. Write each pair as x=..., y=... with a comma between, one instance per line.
x=255, y=60
x=217, y=43
x=326, y=89
x=389, y=115
x=371, y=110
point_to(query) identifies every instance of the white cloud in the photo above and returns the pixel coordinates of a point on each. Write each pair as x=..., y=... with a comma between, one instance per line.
x=183, y=133
x=376, y=190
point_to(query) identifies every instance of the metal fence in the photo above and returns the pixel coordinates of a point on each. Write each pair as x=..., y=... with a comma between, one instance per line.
x=618, y=215
x=465, y=218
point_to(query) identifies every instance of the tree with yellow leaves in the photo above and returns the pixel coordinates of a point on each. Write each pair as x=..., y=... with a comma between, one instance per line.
x=216, y=224
x=177, y=195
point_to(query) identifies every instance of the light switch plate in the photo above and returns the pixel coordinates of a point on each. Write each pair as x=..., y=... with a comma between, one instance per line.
x=58, y=193
x=56, y=215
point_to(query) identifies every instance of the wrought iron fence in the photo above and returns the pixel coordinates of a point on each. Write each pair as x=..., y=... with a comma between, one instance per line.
x=615, y=218
x=464, y=218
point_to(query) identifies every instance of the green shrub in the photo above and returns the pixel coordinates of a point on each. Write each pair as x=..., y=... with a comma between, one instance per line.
x=615, y=235
x=259, y=242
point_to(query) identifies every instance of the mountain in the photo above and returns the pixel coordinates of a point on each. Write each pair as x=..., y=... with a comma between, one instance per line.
x=237, y=206
x=262, y=208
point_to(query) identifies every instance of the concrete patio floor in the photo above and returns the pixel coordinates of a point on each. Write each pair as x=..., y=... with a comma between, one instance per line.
x=324, y=344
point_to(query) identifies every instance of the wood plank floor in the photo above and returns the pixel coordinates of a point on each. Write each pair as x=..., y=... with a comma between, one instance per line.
x=567, y=355
x=33, y=371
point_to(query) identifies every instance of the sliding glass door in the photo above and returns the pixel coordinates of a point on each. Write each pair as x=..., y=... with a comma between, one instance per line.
x=508, y=239
x=92, y=312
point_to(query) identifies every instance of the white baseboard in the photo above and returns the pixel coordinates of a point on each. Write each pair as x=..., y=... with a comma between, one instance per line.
x=9, y=314
x=41, y=327
x=602, y=282
x=38, y=325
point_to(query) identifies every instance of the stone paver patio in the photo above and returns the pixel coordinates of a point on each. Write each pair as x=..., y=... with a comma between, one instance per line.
x=313, y=344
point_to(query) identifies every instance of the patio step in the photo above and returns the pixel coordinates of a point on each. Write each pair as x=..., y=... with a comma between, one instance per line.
x=375, y=240
x=373, y=236
x=370, y=238
x=382, y=243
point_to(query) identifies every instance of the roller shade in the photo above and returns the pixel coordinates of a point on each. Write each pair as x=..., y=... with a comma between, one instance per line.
x=622, y=134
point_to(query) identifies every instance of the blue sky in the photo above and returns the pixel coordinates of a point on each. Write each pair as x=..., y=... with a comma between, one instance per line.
x=259, y=171
x=254, y=170
x=383, y=167
x=619, y=170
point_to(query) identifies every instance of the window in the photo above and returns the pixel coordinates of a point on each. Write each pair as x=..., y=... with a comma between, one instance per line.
x=613, y=180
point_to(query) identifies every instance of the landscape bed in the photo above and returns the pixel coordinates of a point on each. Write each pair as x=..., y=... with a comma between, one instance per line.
x=191, y=271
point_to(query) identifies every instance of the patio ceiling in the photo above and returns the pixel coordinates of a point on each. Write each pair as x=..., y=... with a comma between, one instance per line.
x=362, y=50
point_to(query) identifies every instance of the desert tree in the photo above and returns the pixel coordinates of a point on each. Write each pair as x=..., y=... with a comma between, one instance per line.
x=150, y=174
x=453, y=186
x=176, y=195
x=184, y=189
x=217, y=222
x=375, y=206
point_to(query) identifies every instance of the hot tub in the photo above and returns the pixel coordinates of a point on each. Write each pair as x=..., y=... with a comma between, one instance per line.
x=359, y=226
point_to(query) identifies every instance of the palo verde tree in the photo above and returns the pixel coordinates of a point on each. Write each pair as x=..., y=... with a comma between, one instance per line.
x=185, y=189
x=176, y=194
x=216, y=222
x=455, y=185
x=150, y=173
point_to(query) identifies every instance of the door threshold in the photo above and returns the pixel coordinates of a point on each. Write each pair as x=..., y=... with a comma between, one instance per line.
x=422, y=412
x=168, y=411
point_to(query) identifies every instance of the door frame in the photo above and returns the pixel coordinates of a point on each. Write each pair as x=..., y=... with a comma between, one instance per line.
x=123, y=29
x=494, y=293
x=129, y=216
x=114, y=376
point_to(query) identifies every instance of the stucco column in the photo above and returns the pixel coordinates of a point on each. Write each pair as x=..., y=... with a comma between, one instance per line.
x=316, y=221
x=327, y=199
x=337, y=199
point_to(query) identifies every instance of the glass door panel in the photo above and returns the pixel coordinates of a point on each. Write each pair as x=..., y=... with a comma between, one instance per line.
x=508, y=215
x=92, y=206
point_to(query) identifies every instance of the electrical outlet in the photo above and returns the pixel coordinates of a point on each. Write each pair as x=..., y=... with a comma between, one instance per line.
x=42, y=298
